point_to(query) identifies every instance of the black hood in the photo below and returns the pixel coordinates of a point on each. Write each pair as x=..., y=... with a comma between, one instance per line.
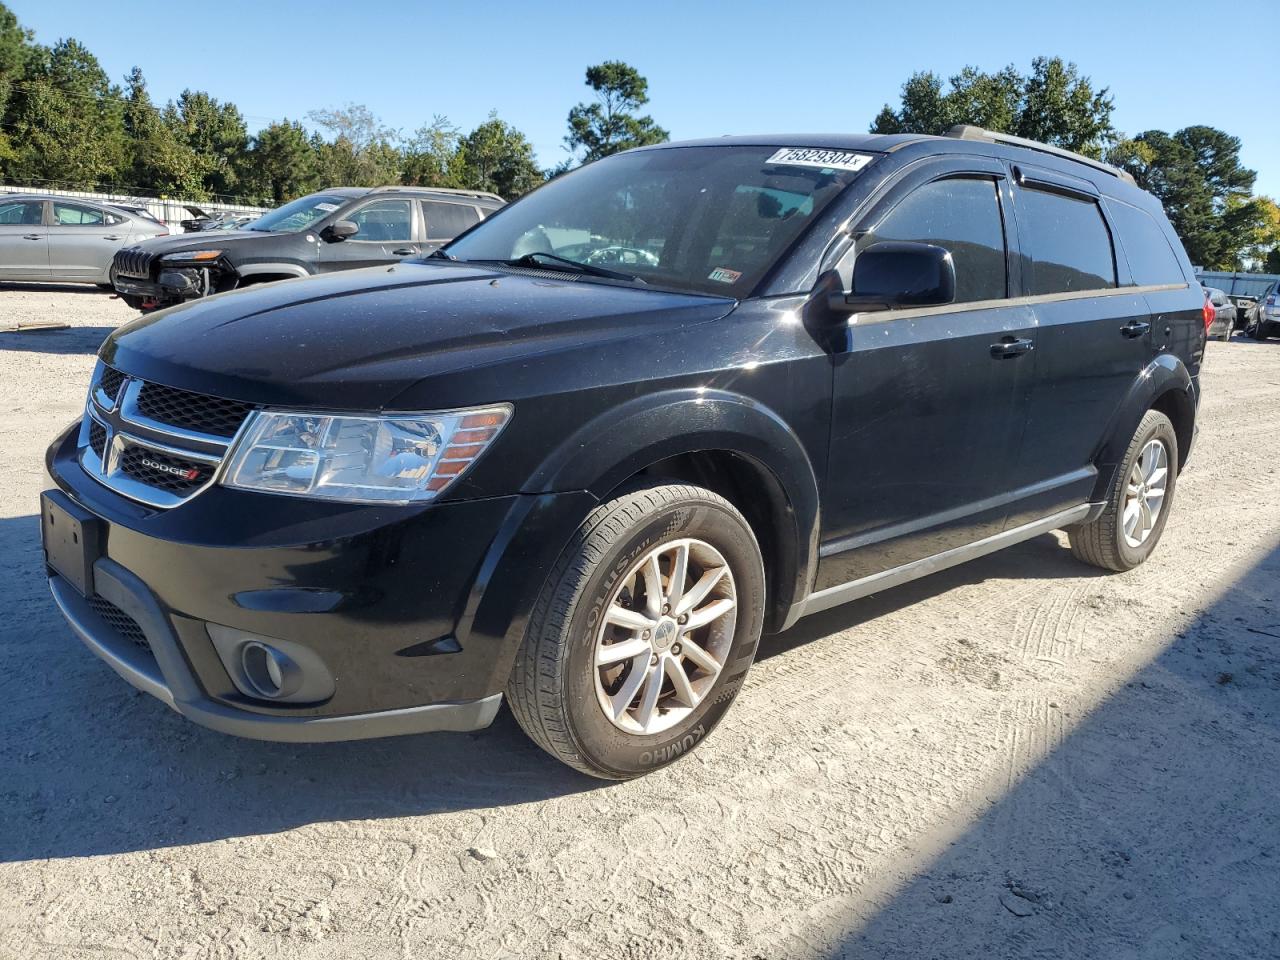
x=205, y=240
x=357, y=340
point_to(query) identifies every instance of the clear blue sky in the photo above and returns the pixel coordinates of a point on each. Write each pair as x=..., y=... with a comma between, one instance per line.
x=741, y=67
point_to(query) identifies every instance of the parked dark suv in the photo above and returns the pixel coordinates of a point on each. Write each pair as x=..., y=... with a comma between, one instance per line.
x=585, y=455
x=338, y=229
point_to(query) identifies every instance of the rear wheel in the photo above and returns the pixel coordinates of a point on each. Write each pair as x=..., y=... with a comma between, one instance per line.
x=643, y=633
x=1257, y=331
x=1133, y=520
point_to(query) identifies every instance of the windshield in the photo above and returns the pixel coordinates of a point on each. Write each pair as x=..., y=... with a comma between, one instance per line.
x=299, y=214
x=702, y=219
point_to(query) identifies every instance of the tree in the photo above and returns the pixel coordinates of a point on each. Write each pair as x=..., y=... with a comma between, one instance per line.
x=159, y=159
x=432, y=157
x=497, y=157
x=15, y=57
x=609, y=124
x=283, y=162
x=362, y=152
x=1272, y=264
x=66, y=120
x=1196, y=173
x=215, y=133
x=1053, y=104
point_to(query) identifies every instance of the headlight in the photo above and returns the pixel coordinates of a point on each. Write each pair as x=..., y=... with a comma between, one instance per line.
x=397, y=458
x=191, y=256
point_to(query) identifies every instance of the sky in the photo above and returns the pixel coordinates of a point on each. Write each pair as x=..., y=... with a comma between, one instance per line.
x=713, y=68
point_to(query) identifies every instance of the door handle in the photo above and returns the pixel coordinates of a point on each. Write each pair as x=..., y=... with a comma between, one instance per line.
x=1010, y=347
x=1135, y=328
x=33, y=236
x=112, y=237
x=404, y=251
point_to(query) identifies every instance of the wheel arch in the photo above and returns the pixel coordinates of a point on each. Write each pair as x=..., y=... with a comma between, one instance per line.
x=1166, y=385
x=726, y=442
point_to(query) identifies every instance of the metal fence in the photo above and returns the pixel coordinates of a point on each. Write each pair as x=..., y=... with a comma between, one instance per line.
x=169, y=212
x=1248, y=285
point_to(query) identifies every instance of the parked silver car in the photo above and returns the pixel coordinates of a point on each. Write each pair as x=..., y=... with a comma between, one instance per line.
x=56, y=239
x=1224, y=314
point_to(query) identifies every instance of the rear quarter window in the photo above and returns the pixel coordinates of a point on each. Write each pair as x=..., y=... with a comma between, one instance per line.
x=1146, y=247
x=1067, y=241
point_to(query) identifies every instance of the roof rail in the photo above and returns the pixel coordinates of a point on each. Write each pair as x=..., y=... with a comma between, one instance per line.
x=966, y=131
x=478, y=194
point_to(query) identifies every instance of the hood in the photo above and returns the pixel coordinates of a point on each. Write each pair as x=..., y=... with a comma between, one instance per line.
x=356, y=340
x=203, y=240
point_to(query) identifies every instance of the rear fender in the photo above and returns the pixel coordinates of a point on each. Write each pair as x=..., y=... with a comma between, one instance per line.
x=1165, y=379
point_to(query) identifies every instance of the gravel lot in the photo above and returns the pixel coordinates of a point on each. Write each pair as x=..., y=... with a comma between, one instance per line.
x=1021, y=757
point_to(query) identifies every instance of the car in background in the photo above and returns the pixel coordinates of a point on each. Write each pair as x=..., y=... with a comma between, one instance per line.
x=1224, y=314
x=1263, y=318
x=47, y=239
x=343, y=228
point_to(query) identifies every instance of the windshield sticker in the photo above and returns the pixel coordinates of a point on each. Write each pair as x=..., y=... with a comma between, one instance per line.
x=825, y=159
x=327, y=207
x=725, y=275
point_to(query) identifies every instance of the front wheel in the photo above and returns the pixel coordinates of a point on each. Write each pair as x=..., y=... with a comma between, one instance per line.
x=1130, y=525
x=643, y=633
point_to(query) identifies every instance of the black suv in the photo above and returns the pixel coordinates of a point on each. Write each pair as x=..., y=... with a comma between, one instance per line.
x=587, y=454
x=338, y=229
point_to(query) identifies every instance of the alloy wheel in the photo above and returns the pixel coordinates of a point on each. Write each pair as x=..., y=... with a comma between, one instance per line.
x=664, y=636
x=1145, y=493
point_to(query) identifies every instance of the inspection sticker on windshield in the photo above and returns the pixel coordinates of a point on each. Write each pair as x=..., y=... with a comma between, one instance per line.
x=725, y=275
x=327, y=207
x=815, y=157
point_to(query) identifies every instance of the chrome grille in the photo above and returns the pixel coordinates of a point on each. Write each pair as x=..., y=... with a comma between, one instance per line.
x=163, y=471
x=192, y=411
x=119, y=621
x=153, y=443
x=109, y=383
x=97, y=438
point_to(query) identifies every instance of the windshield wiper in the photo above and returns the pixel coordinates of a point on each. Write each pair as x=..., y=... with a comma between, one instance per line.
x=564, y=263
x=439, y=254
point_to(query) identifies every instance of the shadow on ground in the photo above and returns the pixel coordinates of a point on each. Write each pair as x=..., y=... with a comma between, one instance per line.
x=96, y=768
x=65, y=341
x=1136, y=836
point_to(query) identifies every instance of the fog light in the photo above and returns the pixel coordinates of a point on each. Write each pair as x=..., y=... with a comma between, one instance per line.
x=267, y=668
x=268, y=671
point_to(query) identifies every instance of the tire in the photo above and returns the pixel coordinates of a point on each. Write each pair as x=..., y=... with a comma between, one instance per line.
x=557, y=692
x=1257, y=331
x=1103, y=542
x=105, y=287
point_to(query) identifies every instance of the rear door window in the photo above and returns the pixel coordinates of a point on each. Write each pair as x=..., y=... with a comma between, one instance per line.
x=74, y=215
x=447, y=220
x=1067, y=241
x=961, y=214
x=1151, y=258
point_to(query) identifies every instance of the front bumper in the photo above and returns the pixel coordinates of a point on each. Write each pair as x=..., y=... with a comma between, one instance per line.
x=172, y=285
x=387, y=599
x=161, y=670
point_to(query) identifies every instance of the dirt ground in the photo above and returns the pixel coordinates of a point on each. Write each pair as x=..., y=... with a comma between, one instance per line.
x=1022, y=757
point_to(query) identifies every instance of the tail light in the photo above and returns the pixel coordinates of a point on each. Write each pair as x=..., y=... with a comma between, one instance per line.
x=1208, y=313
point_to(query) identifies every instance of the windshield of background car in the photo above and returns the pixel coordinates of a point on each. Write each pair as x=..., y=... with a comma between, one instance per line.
x=298, y=215
x=707, y=220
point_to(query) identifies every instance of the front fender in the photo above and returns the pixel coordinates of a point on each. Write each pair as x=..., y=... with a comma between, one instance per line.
x=274, y=269
x=600, y=456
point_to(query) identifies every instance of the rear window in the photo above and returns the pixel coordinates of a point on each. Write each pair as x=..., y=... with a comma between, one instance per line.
x=1151, y=258
x=1067, y=241
x=447, y=220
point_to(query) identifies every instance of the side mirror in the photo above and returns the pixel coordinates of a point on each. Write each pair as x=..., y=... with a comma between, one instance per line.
x=340, y=230
x=899, y=274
